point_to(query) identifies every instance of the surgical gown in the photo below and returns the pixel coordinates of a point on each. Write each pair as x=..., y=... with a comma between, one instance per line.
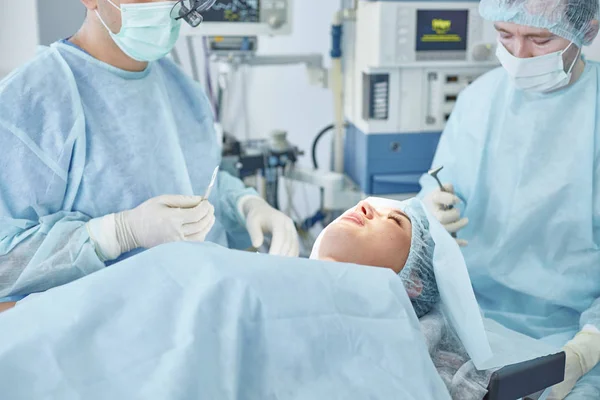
x=80, y=139
x=527, y=167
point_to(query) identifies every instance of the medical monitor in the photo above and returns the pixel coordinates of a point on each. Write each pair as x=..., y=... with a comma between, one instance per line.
x=245, y=18
x=393, y=33
x=234, y=11
x=441, y=30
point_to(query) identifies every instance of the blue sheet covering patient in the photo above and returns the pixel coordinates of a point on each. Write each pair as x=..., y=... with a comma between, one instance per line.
x=197, y=321
x=200, y=321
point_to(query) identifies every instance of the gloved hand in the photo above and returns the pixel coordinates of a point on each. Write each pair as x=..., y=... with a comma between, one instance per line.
x=162, y=219
x=441, y=205
x=583, y=353
x=261, y=218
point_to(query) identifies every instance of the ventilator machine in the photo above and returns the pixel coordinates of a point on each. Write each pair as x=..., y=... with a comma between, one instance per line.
x=405, y=63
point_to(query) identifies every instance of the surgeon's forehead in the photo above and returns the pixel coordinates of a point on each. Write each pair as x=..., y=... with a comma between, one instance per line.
x=522, y=30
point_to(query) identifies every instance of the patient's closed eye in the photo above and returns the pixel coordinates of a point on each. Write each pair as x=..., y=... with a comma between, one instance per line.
x=396, y=217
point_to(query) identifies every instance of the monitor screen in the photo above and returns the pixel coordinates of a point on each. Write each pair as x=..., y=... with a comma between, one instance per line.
x=442, y=30
x=233, y=11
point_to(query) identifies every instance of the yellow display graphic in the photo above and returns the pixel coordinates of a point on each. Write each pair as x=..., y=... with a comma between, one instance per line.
x=441, y=27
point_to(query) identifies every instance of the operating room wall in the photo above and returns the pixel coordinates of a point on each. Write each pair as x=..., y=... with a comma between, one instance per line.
x=59, y=19
x=26, y=24
x=18, y=33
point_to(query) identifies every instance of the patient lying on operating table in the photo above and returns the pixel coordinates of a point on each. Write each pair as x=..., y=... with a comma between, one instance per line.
x=375, y=235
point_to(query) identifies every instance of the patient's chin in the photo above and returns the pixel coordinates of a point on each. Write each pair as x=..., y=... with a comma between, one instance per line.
x=340, y=243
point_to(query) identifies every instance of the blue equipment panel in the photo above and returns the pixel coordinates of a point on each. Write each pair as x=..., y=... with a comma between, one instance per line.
x=388, y=163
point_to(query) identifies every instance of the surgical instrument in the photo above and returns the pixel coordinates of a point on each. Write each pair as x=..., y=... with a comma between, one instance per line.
x=211, y=184
x=189, y=11
x=434, y=173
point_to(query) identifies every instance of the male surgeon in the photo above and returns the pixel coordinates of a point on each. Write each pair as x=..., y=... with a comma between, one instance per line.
x=521, y=157
x=106, y=148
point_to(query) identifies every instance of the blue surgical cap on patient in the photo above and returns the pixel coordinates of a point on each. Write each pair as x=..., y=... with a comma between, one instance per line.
x=418, y=274
x=574, y=20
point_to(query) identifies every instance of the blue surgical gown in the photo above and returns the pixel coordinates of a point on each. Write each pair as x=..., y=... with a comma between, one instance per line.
x=527, y=167
x=80, y=139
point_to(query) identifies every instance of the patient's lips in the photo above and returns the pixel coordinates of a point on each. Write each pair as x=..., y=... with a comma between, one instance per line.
x=355, y=218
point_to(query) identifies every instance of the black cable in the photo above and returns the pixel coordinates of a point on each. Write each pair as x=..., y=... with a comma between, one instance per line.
x=316, y=142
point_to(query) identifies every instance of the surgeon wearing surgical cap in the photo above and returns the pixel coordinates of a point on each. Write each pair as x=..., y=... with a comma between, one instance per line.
x=521, y=158
x=107, y=148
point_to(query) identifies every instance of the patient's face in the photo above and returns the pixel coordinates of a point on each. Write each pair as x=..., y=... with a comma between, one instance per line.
x=365, y=235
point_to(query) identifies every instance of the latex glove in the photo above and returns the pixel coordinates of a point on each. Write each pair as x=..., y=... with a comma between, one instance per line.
x=159, y=220
x=439, y=203
x=261, y=218
x=583, y=353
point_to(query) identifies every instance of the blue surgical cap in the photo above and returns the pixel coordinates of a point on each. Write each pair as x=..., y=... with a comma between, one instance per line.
x=418, y=271
x=573, y=20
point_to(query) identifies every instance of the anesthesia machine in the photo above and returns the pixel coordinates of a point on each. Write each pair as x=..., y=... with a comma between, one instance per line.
x=405, y=63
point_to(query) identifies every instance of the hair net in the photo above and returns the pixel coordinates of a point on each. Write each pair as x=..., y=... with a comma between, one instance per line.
x=418, y=271
x=570, y=19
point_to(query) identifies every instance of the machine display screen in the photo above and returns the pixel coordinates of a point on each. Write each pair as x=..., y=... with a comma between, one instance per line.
x=442, y=30
x=233, y=11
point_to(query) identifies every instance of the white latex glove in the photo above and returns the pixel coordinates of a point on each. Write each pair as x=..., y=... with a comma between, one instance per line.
x=583, y=353
x=162, y=219
x=261, y=218
x=442, y=205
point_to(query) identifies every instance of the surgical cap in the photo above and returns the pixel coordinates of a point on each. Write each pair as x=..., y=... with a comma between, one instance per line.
x=418, y=271
x=574, y=20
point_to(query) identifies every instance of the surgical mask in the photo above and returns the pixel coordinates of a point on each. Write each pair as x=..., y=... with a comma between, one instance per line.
x=148, y=32
x=537, y=74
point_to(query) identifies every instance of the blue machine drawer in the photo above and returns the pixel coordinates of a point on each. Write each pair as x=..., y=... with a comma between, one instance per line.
x=388, y=163
x=398, y=183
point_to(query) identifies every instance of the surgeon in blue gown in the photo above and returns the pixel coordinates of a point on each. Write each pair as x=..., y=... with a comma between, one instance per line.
x=106, y=148
x=521, y=158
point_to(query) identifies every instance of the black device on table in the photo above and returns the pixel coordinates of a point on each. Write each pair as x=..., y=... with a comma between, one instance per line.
x=521, y=380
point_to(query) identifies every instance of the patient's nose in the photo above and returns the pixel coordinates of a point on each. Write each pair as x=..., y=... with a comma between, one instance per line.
x=366, y=209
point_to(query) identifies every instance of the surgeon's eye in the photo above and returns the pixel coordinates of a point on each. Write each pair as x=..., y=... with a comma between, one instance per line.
x=541, y=41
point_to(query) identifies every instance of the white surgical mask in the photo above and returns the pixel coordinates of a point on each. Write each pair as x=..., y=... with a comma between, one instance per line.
x=148, y=32
x=541, y=74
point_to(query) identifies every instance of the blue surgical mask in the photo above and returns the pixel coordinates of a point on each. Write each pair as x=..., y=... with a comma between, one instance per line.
x=148, y=32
